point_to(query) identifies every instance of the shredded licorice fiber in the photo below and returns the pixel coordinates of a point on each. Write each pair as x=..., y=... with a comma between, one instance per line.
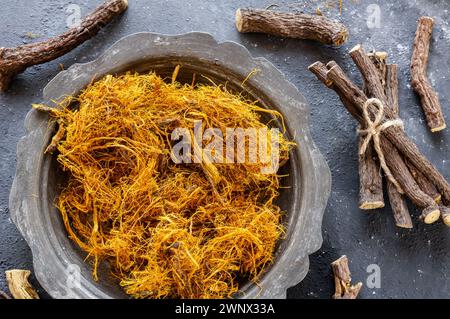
x=168, y=230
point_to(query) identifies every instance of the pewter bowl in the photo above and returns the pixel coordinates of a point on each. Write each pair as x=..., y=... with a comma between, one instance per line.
x=59, y=264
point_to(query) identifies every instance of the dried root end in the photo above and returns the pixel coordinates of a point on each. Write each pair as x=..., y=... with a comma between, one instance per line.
x=371, y=205
x=342, y=280
x=430, y=215
x=239, y=20
x=426, y=20
x=341, y=38
x=355, y=48
x=439, y=128
x=18, y=284
x=352, y=291
x=320, y=71
x=404, y=225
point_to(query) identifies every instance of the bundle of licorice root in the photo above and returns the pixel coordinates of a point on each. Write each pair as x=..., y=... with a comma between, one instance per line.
x=384, y=145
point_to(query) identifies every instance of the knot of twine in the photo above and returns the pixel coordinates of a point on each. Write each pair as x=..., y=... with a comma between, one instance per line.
x=373, y=131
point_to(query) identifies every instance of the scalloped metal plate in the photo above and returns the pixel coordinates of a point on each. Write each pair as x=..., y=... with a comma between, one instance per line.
x=53, y=254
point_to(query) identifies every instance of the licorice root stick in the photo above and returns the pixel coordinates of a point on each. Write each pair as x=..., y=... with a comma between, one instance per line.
x=291, y=25
x=388, y=78
x=342, y=280
x=370, y=179
x=15, y=60
x=428, y=96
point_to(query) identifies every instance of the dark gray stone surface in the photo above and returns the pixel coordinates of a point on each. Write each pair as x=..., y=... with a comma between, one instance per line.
x=413, y=263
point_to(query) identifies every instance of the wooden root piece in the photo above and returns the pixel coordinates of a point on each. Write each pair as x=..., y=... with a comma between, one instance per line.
x=320, y=71
x=379, y=60
x=19, y=285
x=410, y=151
x=370, y=179
x=373, y=86
x=430, y=210
x=425, y=185
x=15, y=60
x=370, y=185
x=342, y=280
x=389, y=80
x=399, y=208
x=428, y=97
x=391, y=87
x=291, y=25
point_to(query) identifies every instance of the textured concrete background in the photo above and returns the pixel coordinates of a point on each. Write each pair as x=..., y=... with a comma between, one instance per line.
x=413, y=263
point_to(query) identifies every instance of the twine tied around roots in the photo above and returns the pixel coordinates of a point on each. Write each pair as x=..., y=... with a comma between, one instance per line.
x=373, y=131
